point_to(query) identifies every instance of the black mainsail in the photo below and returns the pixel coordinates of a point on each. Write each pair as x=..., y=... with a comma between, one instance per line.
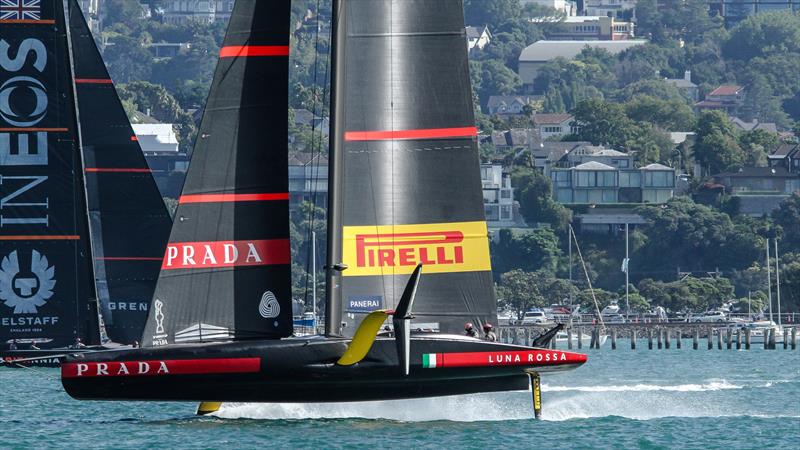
x=129, y=220
x=226, y=272
x=45, y=294
x=405, y=183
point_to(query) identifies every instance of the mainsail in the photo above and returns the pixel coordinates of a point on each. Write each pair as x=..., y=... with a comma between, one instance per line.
x=405, y=177
x=130, y=223
x=46, y=296
x=226, y=272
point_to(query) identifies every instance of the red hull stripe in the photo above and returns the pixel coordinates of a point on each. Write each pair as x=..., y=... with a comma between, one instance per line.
x=431, y=133
x=40, y=238
x=93, y=81
x=116, y=170
x=517, y=358
x=134, y=138
x=224, y=198
x=160, y=367
x=219, y=254
x=128, y=258
x=235, y=51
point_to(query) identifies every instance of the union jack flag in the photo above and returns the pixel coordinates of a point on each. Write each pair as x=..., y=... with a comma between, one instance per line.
x=20, y=9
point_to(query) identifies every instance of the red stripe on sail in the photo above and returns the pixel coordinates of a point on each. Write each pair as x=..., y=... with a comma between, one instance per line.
x=134, y=138
x=521, y=358
x=220, y=254
x=222, y=198
x=160, y=367
x=234, y=51
x=429, y=133
x=93, y=81
x=116, y=170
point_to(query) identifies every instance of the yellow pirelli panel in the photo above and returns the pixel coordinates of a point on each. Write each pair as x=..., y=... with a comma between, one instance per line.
x=397, y=249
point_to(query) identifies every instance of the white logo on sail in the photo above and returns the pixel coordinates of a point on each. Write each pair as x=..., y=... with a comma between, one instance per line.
x=269, y=308
x=26, y=292
x=159, y=316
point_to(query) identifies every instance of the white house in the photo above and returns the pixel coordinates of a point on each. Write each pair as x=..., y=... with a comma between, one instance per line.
x=478, y=37
x=553, y=125
x=156, y=137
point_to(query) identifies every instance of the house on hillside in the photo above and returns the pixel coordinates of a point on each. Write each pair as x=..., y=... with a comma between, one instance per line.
x=566, y=6
x=759, y=190
x=611, y=8
x=207, y=11
x=549, y=154
x=513, y=138
x=754, y=125
x=727, y=98
x=500, y=208
x=536, y=55
x=598, y=153
x=787, y=155
x=478, y=37
x=510, y=105
x=685, y=86
x=592, y=28
x=554, y=125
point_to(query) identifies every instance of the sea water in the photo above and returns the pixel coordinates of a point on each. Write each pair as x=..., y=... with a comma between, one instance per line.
x=704, y=399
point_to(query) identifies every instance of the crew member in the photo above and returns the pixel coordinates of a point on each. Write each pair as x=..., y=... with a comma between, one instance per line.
x=489, y=334
x=78, y=343
x=12, y=345
x=469, y=330
x=135, y=344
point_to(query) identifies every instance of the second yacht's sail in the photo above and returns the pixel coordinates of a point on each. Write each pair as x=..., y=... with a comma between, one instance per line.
x=130, y=223
x=226, y=272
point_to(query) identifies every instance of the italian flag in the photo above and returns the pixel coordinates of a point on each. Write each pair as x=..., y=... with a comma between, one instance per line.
x=431, y=360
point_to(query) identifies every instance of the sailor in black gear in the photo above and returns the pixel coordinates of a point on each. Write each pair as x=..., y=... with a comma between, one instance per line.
x=489, y=332
x=470, y=330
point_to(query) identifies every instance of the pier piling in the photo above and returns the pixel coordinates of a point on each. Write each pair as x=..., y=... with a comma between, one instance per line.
x=772, y=339
x=666, y=338
x=597, y=339
x=660, y=338
x=649, y=338
x=710, y=338
x=695, y=338
x=613, y=339
x=569, y=339
x=678, y=338
x=719, y=339
x=739, y=339
x=729, y=338
x=747, y=338
x=580, y=338
x=785, y=340
x=794, y=338
x=633, y=339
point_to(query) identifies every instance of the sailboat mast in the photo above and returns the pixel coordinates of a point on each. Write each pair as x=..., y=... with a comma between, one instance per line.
x=333, y=303
x=769, y=284
x=93, y=307
x=778, y=281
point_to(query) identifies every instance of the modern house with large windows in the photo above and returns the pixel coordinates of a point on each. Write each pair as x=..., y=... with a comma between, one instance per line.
x=597, y=183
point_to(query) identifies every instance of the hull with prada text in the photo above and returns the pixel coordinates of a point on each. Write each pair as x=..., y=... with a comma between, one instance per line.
x=304, y=370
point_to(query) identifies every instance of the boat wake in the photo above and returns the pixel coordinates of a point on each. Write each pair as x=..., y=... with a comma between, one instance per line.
x=634, y=401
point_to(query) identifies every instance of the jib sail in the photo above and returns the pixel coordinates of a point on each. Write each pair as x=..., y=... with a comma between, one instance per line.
x=130, y=223
x=226, y=272
x=46, y=293
x=406, y=170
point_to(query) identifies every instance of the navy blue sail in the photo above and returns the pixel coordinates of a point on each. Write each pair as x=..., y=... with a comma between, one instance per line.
x=47, y=296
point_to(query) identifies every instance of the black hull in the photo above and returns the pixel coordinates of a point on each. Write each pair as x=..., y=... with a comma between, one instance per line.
x=304, y=370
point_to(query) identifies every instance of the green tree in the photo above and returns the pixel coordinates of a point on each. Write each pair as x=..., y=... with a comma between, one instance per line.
x=156, y=100
x=520, y=290
x=716, y=146
x=787, y=216
x=670, y=115
x=535, y=198
x=529, y=250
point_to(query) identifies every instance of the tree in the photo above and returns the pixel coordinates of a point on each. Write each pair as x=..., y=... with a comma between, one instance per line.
x=787, y=216
x=774, y=33
x=155, y=100
x=603, y=123
x=670, y=115
x=716, y=147
x=520, y=290
x=535, y=199
x=529, y=250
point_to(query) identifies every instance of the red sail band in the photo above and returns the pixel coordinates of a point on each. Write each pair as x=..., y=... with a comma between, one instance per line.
x=429, y=133
x=93, y=81
x=223, y=198
x=221, y=254
x=160, y=367
x=116, y=170
x=235, y=51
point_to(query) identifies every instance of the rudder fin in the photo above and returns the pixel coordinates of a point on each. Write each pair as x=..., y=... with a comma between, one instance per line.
x=208, y=407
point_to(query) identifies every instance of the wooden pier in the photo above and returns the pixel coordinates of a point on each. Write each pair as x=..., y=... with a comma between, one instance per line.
x=659, y=336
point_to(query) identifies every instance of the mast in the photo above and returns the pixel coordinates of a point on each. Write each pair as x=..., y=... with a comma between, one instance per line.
x=778, y=281
x=769, y=283
x=333, y=303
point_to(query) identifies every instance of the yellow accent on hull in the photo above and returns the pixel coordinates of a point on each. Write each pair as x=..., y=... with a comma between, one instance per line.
x=208, y=408
x=364, y=338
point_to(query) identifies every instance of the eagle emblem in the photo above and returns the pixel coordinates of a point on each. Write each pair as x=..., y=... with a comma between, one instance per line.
x=25, y=292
